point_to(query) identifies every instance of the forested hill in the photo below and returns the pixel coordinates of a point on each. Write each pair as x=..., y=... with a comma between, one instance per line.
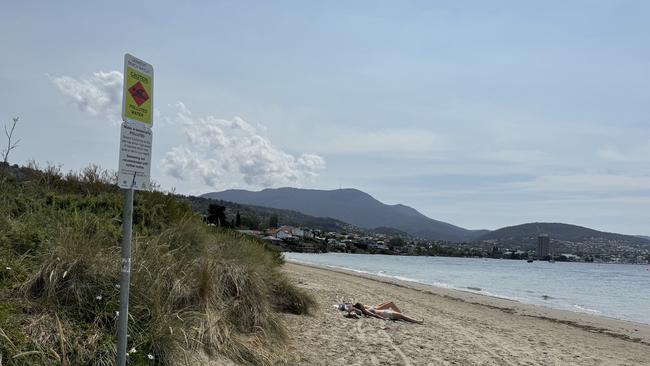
x=559, y=231
x=257, y=217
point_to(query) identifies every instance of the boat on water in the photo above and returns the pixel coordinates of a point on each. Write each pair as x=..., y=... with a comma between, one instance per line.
x=530, y=260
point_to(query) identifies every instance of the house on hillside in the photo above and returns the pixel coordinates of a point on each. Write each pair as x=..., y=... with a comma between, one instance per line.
x=295, y=231
x=283, y=234
x=279, y=233
x=377, y=246
x=309, y=234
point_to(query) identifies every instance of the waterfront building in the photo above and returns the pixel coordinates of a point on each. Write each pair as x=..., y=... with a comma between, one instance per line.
x=543, y=246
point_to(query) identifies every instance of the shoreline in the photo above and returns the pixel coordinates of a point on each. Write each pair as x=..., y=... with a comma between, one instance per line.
x=460, y=327
x=621, y=328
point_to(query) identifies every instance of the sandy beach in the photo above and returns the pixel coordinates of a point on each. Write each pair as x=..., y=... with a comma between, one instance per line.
x=459, y=328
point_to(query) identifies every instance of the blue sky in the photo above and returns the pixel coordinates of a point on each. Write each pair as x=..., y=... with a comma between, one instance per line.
x=482, y=114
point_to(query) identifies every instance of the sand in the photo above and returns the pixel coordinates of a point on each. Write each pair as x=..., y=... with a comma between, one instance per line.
x=459, y=328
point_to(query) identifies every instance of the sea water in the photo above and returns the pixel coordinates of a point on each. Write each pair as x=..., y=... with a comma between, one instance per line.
x=619, y=291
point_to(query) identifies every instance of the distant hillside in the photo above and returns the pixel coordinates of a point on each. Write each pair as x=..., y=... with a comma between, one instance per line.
x=478, y=233
x=564, y=232
x=256, y=217
x=389, y=231
x=349, y=205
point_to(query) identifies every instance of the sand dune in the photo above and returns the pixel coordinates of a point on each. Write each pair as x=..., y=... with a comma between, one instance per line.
x=460, y=328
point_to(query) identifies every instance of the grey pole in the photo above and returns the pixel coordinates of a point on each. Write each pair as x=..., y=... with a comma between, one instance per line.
x=125, y=277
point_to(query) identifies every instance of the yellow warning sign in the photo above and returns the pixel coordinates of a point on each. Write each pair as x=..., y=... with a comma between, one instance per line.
x=137, y=101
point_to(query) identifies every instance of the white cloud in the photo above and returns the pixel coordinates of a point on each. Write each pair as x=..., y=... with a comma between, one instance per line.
x=100, y=94
x=221, y=150
x=311, y=164
x=180, y=160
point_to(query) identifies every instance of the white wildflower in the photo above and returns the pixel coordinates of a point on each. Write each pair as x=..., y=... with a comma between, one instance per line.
x=98, y=297
x=132, y=350
x=8, y=268
x=150, y=356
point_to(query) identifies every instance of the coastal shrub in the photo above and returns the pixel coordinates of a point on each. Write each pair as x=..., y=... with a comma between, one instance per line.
x=179, y=300
x=197, y=292
x=290, y=299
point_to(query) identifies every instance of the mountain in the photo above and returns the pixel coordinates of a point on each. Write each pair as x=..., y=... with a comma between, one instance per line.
x=352, y=206
x=527, y=234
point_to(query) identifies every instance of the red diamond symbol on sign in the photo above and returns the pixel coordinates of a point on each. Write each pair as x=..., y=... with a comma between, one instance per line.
x=138, y=93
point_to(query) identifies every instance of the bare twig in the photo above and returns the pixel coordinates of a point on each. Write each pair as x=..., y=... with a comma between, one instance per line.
x=10, y=134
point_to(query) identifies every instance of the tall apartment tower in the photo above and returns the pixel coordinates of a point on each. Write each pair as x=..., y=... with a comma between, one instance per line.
x=543, y=246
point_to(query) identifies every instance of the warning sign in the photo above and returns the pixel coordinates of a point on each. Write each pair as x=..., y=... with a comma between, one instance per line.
x=139, y=93
x=137, y=101
x=135, y=157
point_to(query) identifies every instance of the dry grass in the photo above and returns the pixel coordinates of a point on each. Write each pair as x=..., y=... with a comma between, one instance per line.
x=197, y=293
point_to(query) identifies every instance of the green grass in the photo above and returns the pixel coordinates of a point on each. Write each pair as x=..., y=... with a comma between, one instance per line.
x=196, y=291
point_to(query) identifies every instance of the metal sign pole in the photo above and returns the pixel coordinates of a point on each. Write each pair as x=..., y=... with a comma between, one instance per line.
x=125, y=277
x=136, y=138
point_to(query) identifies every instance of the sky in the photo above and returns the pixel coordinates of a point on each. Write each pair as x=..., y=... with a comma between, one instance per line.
x=480, y=114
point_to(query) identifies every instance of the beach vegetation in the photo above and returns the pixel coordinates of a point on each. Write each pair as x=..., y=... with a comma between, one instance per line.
x=198, y=292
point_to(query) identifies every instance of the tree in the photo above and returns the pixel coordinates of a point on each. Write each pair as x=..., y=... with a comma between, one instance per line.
x=237, y=220
x=395, y=242
x=250, y=222
x=495, y=253
x=217, y=215
x=10, y=145
x=273, y=221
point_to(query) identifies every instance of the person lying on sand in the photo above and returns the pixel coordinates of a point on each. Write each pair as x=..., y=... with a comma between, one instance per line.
x=386, y=311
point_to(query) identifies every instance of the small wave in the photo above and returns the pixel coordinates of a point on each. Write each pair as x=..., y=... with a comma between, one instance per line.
x=329, y=266
x=444, y=285
x=474, y=288
x=351, y=269
x=586, y=310
x=395, y=277
x=406, y=279
x=547, y=297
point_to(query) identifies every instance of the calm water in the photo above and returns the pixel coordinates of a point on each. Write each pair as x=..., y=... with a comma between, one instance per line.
x=614, y=290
